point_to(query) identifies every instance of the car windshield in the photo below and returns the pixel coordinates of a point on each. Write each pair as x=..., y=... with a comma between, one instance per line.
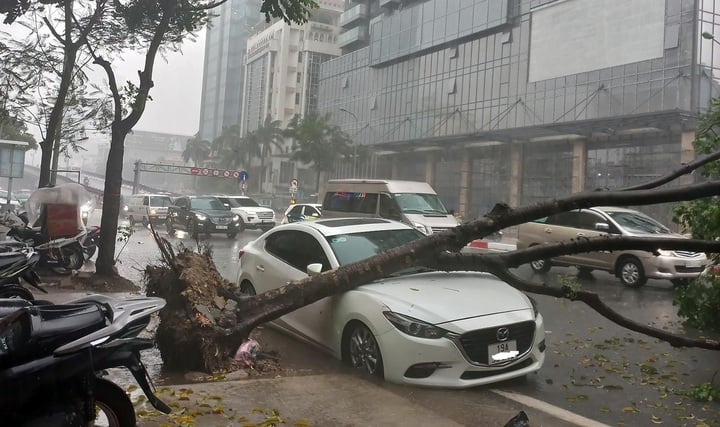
x=242, y=202
x=207, y=203
x=636, y=223
x=160, y=201
x=350, y=248
x=420, y=203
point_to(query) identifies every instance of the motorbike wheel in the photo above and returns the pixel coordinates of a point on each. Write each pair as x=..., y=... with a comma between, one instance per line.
x=90, y=251
x=72, y=259
x=113, y=406
x=16, y=291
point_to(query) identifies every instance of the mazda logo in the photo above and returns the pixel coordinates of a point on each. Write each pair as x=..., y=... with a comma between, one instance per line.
x=502, y=334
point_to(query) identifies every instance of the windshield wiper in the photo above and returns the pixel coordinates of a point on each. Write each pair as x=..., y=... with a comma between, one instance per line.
x=411, y=270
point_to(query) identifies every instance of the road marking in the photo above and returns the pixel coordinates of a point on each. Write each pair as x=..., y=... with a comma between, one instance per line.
x=549, y=409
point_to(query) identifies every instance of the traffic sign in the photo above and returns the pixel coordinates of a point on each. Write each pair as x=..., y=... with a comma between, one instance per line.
x=235, y=174
x=194, y=171
x=244, y=176
x=206, y=172
x=293, y=183
x=226, y=174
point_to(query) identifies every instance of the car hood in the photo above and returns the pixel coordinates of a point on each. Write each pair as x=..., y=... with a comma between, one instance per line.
x=440, y=297
x=433, y=220
x=653, y=235
x=249, y=209
x=214, y=213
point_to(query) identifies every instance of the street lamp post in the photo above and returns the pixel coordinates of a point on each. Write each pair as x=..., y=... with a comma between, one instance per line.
x=354, y=164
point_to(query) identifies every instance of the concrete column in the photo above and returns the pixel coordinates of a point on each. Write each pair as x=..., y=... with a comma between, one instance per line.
x=430, y=168
x=687, y=155
x=465, y=184
x=516, y=160
x=394, y=167
x=579, y=165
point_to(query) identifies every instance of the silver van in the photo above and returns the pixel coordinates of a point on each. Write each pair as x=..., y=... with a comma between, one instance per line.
x=412, y=202
x=146, y=208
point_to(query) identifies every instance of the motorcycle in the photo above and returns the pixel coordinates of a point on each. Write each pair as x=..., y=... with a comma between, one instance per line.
x=53, y=358
x=61, y=255
x=18, y=261
x=89, y=242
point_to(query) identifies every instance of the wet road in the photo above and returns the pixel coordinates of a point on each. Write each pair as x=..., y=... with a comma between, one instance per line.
x=593, y=367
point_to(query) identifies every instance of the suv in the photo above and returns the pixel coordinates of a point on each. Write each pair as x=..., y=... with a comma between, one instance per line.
x=633, y=268
x=252, y=215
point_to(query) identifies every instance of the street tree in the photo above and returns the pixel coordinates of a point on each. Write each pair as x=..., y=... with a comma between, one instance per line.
x=262, y=142
x=229, y=149
x=15, y=129
x=208, y=345
x=196, y=150
x=318, y=142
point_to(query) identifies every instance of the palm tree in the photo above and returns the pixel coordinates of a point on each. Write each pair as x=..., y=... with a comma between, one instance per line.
x=197, y=150
x=230, y=149
x=263, y=141
x=317, y=141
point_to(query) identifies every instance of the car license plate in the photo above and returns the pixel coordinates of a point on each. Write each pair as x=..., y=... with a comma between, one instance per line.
x=502, y=351
x=694, y=263
x=221, y=227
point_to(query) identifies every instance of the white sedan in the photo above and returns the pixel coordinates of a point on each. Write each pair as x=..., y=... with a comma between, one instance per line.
x=449, y=329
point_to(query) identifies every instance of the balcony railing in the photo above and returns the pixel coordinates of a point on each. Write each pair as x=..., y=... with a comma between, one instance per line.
x=353, y=35
x=353, y=15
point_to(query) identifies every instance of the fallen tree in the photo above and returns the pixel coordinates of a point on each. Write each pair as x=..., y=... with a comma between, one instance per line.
x=206, y=317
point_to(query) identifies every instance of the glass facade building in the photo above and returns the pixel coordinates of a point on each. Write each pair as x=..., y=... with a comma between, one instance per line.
x=520, y=101
x=223, y=69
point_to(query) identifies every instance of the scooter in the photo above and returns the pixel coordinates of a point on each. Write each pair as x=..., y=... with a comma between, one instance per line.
x=89, y=242
x=61, y=255
x=53, y=357
x=18, y=261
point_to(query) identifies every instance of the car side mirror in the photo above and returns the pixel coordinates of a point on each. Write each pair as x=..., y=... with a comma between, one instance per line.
x=314, y=269
x=602, y=226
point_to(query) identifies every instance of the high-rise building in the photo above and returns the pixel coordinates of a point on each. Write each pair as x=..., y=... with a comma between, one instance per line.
x=223, y=70
x=283, y=66
x=520, y=101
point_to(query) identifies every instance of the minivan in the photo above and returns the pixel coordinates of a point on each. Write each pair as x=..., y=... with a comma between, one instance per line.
x=412, y=202
x=632, y=267
x=146, y=208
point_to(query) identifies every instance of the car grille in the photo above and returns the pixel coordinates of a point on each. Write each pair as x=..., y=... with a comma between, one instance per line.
x=265, y=215
x=474, y=375
x=221, y=221
x=438, y=230
x=683, y=269
x=686, y=254
x=475, y=343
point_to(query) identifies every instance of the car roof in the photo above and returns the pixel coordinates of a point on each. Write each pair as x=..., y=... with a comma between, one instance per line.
x=335, y=226
x=616, y=209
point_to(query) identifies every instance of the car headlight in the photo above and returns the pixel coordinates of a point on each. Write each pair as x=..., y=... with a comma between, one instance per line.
x=664, y=252
x=414, y=327
x=125, y=208
x=421, y=227
x=84, y=214
x=200, y=217
x=235, y=218
x=153, y=212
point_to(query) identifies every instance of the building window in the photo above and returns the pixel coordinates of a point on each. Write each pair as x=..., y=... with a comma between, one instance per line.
x=345, y=82
x=297, y=99
x=298, y=77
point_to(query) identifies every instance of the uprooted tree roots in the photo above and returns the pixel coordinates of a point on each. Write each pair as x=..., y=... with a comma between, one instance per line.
x=198, y=328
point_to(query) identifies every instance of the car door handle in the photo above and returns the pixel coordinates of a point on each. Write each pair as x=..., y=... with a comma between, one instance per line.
x=259, y=268
x=548, y=230
x=581, y=234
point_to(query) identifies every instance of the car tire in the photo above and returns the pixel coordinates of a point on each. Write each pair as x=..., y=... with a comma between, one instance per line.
x=247, y=288
x=361, y=349
x=241, y=225
x=630, y=272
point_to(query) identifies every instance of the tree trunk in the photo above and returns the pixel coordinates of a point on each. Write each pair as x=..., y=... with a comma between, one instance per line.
x=111, y=201
x=56, y=115
x=261, y=175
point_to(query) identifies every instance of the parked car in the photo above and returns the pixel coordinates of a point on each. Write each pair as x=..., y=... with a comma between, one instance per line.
x=433, y=328
x=633, y=268
x=302, y=212
x=146, y=208
x=201, y=214
x=252, y=215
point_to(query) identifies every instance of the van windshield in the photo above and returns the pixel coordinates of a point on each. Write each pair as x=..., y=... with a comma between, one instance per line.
x=415, y=203
x=160, y=201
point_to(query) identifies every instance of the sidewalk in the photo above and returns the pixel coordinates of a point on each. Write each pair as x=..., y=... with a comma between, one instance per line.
x=321, y=400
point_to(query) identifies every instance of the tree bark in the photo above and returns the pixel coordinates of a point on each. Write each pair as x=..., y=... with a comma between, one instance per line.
x=111, y=201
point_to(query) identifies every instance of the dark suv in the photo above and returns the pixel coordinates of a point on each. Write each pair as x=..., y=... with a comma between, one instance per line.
x=202, y=214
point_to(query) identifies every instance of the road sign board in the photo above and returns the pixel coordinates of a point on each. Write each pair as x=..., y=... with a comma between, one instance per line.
x=206, y=172
x=226, y=174
x=194, y=171
x=235, y=174
x=244, y=176
x=293, y=183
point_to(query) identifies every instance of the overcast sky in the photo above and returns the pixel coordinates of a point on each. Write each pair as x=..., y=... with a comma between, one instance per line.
x=175, y=107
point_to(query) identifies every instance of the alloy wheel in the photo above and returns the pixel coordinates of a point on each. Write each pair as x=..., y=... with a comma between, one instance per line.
x=364, y=351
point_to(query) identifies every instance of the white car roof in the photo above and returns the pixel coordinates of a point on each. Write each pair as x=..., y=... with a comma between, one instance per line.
x=335, y=226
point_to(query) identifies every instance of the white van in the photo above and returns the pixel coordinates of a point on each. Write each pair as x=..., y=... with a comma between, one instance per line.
x=412, y=202
x=147, y=208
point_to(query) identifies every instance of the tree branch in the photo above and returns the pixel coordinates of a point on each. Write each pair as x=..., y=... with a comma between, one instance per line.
x=684, y=170
x=208, y=6
x=117, y=100
x=99, y=9
x=54, y=31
